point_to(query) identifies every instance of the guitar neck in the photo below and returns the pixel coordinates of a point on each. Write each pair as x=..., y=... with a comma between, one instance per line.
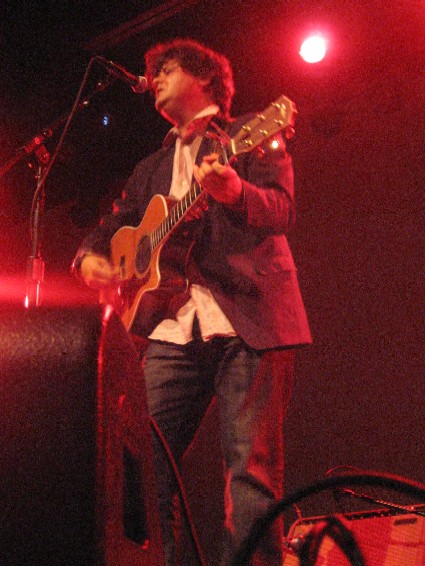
x=176, y=215
x=277, y=117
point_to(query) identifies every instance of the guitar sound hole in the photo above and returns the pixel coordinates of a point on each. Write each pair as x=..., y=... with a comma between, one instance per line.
x=143, y=254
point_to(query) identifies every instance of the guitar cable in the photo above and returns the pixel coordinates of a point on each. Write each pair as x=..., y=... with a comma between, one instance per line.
x=182, y=492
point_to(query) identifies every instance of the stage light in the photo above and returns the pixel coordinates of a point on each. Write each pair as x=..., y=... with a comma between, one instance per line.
x=313, y=49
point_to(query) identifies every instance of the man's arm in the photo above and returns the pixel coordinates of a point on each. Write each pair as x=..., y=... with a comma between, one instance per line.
x=262, y=193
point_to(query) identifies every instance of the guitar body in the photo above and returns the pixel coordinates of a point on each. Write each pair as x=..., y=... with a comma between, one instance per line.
x=150, y=275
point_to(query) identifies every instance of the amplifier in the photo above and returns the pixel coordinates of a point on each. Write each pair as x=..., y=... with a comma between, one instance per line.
x=385, y=538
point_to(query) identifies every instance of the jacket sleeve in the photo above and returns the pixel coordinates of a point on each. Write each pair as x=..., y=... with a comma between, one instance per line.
x=268, y=188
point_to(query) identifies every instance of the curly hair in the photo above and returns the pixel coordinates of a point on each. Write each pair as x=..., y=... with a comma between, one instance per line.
x=199, y=61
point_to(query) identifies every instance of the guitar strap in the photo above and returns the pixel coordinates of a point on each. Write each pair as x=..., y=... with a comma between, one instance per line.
x=220, y=123
x=218, y=129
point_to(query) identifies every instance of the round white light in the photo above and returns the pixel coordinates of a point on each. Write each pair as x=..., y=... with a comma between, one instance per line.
x=313, y=49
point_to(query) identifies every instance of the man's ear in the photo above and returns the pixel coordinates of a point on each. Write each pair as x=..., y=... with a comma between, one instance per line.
x=205, y=83
x=206, y=86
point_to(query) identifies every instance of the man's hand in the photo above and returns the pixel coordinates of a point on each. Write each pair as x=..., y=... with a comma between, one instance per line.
x=220, y=181
x=97, y=272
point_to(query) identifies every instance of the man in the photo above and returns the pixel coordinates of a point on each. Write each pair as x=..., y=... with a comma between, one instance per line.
x=232, y=333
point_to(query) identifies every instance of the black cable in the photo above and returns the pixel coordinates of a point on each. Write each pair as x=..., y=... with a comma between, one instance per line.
x=335, y=471
x=183, y=497
x=380, y=479
x=339, y=533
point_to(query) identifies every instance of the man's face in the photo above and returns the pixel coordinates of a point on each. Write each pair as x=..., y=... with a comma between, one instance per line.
x=176, y=91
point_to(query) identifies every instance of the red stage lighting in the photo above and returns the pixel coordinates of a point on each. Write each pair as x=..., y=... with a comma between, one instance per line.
x=313, y=49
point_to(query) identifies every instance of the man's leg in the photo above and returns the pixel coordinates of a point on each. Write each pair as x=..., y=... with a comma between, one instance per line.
x=178, y=395
x=253, y=389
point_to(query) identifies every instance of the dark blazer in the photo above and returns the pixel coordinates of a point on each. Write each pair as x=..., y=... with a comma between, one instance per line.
x=241, y=254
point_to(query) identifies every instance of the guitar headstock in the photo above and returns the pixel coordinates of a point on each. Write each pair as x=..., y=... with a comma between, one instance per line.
x=278, y=117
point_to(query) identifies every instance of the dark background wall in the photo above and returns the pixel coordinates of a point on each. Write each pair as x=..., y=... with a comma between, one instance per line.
x=359, y=162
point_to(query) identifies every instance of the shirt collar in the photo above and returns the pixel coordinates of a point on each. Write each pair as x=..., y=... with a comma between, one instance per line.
x=198, y=125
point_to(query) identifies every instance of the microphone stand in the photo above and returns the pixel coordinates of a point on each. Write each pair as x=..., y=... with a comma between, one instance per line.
x=35, y=264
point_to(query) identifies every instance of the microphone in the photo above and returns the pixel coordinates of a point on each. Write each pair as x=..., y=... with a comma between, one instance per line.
x=138, y=84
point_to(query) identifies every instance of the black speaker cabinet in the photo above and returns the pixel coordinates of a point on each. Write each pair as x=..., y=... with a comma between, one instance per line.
x=77, y=482
x=384, y=538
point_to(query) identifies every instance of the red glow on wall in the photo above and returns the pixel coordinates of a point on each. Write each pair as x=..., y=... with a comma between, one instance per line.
x=12, y=290
x=59, y=289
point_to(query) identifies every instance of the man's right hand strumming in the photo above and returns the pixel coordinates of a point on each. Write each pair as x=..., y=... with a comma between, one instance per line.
x=97, y=272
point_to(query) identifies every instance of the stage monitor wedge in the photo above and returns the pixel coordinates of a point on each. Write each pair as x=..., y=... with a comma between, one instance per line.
x=77, y=481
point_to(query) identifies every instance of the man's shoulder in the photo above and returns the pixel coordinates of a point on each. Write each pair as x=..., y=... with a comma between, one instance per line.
x=151, y=161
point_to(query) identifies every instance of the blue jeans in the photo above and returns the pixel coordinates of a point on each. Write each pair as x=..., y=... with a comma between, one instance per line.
x=252, y=390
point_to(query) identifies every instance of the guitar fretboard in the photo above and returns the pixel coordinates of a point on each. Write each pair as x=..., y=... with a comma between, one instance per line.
x=175, y=215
